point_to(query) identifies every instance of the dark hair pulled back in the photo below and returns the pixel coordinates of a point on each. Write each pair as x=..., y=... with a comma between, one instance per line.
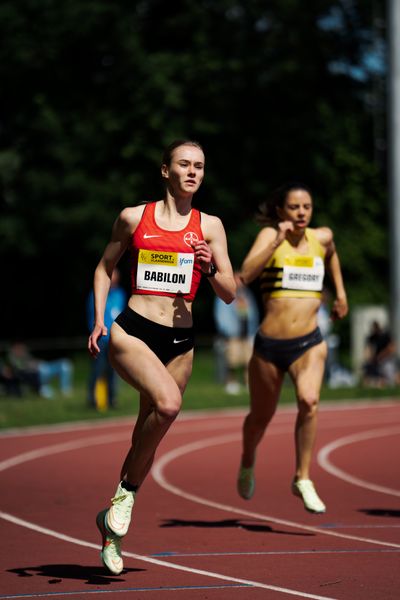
x=267, y=211
x=167, y=155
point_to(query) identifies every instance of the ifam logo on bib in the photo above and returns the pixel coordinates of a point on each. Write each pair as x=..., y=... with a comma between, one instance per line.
x=164, y=271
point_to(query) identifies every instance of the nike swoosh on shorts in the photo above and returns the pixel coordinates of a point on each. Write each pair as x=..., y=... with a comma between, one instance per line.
x=179, y=341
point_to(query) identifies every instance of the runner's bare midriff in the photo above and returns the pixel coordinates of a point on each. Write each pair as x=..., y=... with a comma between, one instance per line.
x=172, y=312
x=289, y=317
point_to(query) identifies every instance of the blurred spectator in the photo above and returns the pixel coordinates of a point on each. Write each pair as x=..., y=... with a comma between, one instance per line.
x=9, y=381
x=236, y=325
x=335, y=375
x=380, y=368
x=23, y=369
x=100, y=366
x=325, y=325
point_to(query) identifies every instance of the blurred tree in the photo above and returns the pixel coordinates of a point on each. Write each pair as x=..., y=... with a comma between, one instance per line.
x=92, y=91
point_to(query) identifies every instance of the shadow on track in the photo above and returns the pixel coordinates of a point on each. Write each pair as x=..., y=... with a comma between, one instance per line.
x=56, y=573
x=237, y=523
x=380, y=512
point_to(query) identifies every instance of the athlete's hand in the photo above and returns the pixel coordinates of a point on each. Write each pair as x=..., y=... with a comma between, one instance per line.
x=284, y=227
x=340, y=309
x=203, y=255
x=97, y=333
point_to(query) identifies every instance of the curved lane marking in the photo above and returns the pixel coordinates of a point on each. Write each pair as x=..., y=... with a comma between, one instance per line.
x=161, y=563
x=57, y=448
x=187, y=415
x=86, y=442
x=325, y=462
x=159, y=477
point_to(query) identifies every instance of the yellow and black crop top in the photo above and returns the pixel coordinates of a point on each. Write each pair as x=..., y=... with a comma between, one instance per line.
x=289, y=274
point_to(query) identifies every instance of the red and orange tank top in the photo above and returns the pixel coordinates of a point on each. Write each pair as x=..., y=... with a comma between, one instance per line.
x=163, y=261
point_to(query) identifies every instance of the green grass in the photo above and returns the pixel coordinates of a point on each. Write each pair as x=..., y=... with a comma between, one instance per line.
x=203, y=392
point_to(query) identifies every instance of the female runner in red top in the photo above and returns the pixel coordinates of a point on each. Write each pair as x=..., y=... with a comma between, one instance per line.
x=151, y=344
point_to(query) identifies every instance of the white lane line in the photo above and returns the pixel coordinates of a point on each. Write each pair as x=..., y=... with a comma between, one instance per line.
x=159, y=477
x=98, y=592
x=22, y=458
x=197, y=415
x=324, y=461
x=120, y=436
x=63, y=447
x=281, y=552
x=158, y=562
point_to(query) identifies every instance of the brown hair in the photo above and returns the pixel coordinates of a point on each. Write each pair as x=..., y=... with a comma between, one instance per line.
x=167, y=155
x=266, y=212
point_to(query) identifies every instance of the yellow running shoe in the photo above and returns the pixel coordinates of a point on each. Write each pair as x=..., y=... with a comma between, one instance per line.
x=246, y=483
x=111, y=546
x=118, y=516
x=304, y=489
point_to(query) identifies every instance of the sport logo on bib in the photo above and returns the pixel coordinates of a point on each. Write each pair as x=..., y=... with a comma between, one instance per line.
x=163, y=271
x=303, y=273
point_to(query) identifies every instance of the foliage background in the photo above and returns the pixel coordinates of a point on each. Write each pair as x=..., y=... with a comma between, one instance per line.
x=93, y=90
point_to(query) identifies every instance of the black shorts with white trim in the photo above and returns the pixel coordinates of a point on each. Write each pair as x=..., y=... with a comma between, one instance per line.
x=165, y=342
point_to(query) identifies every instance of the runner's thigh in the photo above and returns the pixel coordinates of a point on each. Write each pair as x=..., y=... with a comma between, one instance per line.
x=265, y=382
x=307, y=371
x=180, y=368
x=139, y=366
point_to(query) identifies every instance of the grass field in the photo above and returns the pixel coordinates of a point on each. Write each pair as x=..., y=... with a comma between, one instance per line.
x=203, y=392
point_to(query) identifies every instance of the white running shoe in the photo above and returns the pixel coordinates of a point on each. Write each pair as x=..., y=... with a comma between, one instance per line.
x=246, y=482
x=304, y=489
x=118, y=515
x=111, y=546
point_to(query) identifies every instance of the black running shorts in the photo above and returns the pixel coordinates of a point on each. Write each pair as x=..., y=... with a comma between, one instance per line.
x=165, y=342
x=282, y=353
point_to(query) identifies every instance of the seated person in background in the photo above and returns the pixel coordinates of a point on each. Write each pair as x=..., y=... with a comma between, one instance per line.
x=36, y=373
x=380, y=367
x=236, y=325
x=9, y=381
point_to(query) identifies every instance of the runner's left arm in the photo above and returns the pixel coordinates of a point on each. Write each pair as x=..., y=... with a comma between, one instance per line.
x=340, y=306
x=214, y=250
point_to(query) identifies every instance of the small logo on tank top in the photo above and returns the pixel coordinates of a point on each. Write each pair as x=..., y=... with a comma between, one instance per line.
x=190, y=238
x=147, y=236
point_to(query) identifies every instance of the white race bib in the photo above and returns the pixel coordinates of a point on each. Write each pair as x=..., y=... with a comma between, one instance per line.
x=303, y=273
x=163, y=271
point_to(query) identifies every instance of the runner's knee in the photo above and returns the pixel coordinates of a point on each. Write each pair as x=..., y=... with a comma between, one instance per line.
x=257, y=422
x=168, y=407
x=308, y=404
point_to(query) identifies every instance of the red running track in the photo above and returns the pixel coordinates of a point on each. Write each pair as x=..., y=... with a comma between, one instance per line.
x=192, y=537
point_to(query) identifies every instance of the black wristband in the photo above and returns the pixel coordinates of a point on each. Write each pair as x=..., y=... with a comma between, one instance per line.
x=213, y=271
